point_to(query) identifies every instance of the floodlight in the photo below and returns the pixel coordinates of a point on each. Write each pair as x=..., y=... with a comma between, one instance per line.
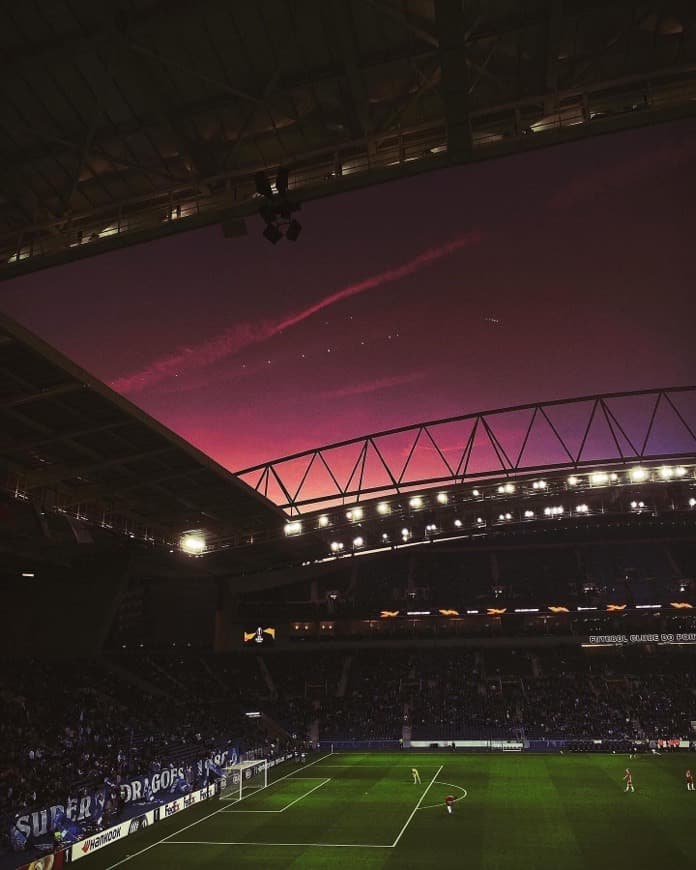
x=599, y=478
x=475, y=493
x=528, y=514
x=355, y=514
x=638, y=474
x=293, y=528
x=442, y=498
x=293, y=231
x=323, y=521
x=383, y=508
x=273, y=234
x=458, y=523
x=573, y=480
x=358, y=542
x=692, y=502
x=193, y=544
x=416, y=502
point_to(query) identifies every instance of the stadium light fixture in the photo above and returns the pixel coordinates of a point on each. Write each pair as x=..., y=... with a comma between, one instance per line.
x=666, y=472
x=355, y=514
x=385, y=536
x=405, y=534
x=458, y=524
x=638, y=474
x=528, y=514
x=475, y=493
x=539, y=484
x=582, y=508
x=692, y=502
x=599, y=478
x=442, y=498
x=679, y=471
x=416, y=502
x=506, y=488
x=573, y=480
x=193, y=544
x=358, y=542
x=384, y=508
x=336, y=547
x=293, y=528
x=292, y=233
x=323, y=521
x=272, y=233
x=479, y=520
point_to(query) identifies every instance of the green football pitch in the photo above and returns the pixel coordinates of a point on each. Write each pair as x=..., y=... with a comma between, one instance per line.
x=513, y=810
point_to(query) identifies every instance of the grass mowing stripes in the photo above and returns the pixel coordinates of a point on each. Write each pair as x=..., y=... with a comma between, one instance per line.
x=521, y=812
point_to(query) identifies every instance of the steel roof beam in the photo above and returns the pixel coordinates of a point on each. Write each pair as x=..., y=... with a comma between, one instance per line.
x=455, y=85
x=52, y=474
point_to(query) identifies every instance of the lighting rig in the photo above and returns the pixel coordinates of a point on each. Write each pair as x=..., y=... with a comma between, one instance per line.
x=277, y=209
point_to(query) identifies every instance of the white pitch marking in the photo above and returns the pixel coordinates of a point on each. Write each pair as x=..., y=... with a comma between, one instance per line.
x=248, y=843
x=451, y=785
x=209, y=816
x=301, y=797
x=420, y=801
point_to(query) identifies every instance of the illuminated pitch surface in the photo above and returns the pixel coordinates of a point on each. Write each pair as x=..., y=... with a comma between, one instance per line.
x=520, y=811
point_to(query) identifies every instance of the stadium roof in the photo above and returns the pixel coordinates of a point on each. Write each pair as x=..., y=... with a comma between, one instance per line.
x=71, y=444
x=133, y=121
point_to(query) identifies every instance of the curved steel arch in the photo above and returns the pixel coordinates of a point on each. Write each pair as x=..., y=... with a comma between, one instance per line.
x=608, y=429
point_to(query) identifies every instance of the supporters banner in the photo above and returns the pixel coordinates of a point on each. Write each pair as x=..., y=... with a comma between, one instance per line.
x=125, y=829
x=94, y=806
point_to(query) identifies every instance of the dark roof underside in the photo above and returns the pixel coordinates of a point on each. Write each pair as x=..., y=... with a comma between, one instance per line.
x=69, y=443
x=127, y=121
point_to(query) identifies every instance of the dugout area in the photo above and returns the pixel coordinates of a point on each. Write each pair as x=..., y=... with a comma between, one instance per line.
x=514, y=810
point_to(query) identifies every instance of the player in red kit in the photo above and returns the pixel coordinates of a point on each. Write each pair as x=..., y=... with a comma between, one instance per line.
x=449, y=803
x=689, y=781
x=628, y=779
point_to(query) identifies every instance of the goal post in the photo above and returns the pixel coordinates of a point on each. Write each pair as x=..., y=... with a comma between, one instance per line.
x=243, y=779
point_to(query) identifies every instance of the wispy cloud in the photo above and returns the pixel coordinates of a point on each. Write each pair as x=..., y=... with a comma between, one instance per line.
x=243, y=335
x=375, y=386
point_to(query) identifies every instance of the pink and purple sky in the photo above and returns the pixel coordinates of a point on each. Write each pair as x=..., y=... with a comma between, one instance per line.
x=556, y=273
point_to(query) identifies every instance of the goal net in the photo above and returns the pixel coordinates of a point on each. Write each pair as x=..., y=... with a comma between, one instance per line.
x=244, y=778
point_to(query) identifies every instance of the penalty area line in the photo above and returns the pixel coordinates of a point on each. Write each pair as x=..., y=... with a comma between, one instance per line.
x=209, y=816
x=253, y=843
x=417, y=807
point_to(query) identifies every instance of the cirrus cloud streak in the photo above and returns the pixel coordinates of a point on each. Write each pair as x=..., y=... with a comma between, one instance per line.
x=244, y=335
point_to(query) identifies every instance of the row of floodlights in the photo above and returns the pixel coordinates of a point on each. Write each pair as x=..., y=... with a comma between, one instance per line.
x=432, y=529
x=417, y=502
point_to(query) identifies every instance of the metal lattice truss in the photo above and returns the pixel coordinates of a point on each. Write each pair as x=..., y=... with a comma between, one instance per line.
x=607, y=431
x=134, y=121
